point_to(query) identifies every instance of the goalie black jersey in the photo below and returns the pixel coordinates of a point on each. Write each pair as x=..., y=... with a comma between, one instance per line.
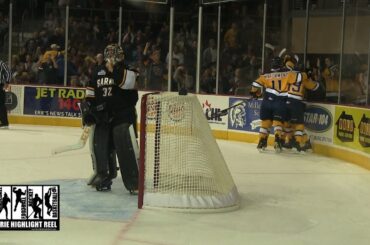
x=114, y=92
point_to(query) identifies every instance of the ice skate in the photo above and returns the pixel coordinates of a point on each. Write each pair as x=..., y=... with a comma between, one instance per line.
x=134, y=192
x=289, y=144
x=104, y=186
x=307, y=146
x=262, y=144
x=278, y=145
x=102, y=183
x=4, y=126
x=298, y=148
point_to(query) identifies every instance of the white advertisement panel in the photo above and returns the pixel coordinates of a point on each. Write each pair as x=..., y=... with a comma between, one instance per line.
x=319, y=122
x=15, y=99
x=212, y=105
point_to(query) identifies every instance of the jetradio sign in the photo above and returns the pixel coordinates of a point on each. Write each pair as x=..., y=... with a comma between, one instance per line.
x=318, y=119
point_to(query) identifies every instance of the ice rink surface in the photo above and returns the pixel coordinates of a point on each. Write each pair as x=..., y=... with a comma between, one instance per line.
x=285, y=198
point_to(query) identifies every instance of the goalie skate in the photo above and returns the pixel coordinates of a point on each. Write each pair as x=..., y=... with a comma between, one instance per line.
x=134, y=192
x=92, y=179
x=102, y=183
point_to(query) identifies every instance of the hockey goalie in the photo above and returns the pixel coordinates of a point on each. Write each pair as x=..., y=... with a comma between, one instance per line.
x=109, y=108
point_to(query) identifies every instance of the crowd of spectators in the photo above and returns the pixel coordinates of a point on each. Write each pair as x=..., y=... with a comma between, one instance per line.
x=354, y=81
x=3, y=28
x=40, y=60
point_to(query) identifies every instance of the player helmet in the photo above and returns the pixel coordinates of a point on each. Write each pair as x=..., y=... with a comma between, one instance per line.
x=290, y=61
x=276, y=63
x=113, y=53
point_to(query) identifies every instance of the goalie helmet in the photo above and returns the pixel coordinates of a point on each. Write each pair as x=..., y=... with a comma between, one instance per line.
x=113, y=53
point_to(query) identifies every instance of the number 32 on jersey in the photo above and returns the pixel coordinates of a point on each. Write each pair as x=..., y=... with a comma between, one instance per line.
x=107, y=91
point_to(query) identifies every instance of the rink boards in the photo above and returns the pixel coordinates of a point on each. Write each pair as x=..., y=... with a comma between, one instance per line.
x=336, y=131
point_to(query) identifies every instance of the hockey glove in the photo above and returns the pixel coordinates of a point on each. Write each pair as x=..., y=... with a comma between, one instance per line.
x=254, y=94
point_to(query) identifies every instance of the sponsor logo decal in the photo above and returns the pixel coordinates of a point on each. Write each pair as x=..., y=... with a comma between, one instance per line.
x=364, y=131
x=318, y=119
x=345, y=127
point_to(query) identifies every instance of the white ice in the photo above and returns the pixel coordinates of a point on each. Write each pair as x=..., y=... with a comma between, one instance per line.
x=285, y=198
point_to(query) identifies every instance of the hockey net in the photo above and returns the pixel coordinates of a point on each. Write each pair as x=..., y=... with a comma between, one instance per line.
x=181, y=166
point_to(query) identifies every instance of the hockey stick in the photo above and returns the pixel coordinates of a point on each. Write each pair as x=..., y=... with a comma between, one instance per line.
x=282, y=52
x=269, y=46
x=79, y=145
x=33, y=211
x=272, y=48
x=225, y=111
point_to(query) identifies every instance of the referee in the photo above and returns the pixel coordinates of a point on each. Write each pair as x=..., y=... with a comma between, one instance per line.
x=5, y=76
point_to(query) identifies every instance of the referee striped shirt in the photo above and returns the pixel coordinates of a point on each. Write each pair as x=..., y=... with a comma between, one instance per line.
x=5, y=73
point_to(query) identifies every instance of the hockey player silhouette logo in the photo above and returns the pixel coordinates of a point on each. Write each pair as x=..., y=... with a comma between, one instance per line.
x=47, y=201
x=18, y=193
x=4, y=204
x=29, y=207
x=36, y=202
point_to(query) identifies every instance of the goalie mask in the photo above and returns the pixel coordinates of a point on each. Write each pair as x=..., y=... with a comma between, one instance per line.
x=113, y=53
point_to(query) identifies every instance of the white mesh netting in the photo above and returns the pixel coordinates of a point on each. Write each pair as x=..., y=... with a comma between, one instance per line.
x=184, y=167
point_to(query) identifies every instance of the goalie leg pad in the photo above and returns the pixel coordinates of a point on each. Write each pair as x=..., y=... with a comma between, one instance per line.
x=125, y=148
x=100, y=148
x=112, y=165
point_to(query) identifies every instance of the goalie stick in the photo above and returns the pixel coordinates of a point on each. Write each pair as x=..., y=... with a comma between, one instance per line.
x=79, y=145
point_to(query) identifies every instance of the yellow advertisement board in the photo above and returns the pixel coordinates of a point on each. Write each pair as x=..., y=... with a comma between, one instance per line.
x=352, y=128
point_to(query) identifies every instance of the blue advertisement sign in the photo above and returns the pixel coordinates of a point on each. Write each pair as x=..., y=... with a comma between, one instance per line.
x=55, y=102
x=244, y=117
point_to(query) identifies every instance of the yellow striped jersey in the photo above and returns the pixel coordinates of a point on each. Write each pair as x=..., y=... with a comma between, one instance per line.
x=276, y=83
x=297, y=89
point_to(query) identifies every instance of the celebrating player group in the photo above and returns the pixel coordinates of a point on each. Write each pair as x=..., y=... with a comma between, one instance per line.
x=282, y=108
